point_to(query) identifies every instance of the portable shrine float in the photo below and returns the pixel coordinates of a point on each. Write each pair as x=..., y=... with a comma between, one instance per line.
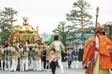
x=25, y=34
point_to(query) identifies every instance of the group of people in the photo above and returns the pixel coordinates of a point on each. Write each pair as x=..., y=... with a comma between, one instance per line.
x=21, y=57
x=37, y=58
x=72, y=57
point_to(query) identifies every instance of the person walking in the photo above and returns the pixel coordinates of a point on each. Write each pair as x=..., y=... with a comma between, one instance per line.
x=68, y=57
x=2, y=56
x=30, y=57
x=20, y=57
x=59, y=48
x=24, y=58
x=103, y=47
x=47, y=58
x=43, y=57
x=37, y=58
x=6, y=57
x=14, y=53
x=75, y=58
x=9, y=56
x=52, y=61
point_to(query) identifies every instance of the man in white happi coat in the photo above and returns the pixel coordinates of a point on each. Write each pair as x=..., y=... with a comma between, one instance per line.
x=24, y=58
x=31, y=59
x=37, y=58
x=14, y=53
x=2, y=56
x=7, y=52
x=59, y=47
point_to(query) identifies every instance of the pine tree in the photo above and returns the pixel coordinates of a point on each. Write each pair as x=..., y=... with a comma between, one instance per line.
x=79, y=15
x=6, y=22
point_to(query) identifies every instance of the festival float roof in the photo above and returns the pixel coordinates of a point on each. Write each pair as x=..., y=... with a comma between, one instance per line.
x=25, y=34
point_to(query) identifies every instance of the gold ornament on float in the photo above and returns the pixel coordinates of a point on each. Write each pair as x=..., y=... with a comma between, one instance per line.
x=25, y=34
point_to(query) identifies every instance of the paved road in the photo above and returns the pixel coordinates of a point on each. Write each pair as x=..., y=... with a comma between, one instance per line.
x=67, y=71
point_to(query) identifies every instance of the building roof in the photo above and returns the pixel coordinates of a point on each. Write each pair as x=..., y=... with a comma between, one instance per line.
x=79, y=36
x=46, y=37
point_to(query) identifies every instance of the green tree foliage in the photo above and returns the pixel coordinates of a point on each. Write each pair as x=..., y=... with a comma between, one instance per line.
x=63, y=30
x=87, y=30
x=79, y=15
x=6, y=21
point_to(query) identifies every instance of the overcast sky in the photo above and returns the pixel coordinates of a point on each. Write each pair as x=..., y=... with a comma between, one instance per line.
x=48, y=13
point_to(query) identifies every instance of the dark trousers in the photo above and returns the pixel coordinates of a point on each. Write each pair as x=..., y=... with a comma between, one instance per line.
x=53, y=67
x=48, y=65
x=44, y=61
x=69, y=63
x=0, y=63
